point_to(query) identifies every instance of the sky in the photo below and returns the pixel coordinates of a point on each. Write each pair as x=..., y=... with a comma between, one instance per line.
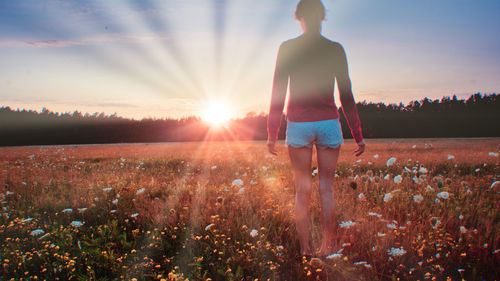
x=158, y=59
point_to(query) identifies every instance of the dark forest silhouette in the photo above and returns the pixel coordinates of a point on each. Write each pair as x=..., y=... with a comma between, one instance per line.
x=477, y=116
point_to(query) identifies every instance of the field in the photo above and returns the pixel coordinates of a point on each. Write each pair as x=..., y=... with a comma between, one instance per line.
x=224, y=211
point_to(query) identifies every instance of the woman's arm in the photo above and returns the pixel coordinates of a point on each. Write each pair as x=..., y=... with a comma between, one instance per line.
x=346, y=98
x=280, y=84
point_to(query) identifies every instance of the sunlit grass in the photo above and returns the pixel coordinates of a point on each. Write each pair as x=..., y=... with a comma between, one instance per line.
x=224, y=211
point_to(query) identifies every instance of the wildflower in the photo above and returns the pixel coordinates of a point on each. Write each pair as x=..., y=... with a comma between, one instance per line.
x=68, y=210
x=115, y=201
x=443, y=195
x=392, y=226
x=96, y=199
x=374, y=214
x=375, y=156
x=460, y=270
x=81, y=210
x=361, y=196
x=422, y=170
x=496, y=251
x=241, y=190
x=460, y=217
x=107, y=189
x=113, y=211
x=314, y=172
x=280, y=248
x=398, y=179
x=463, y=229
x=494, y=184
x=254, y=233
x=450, y=157
x=237, y=182
x=360, y=262
x=347, y=224
x=417, y=198
x=391, y=161
x=134, y=215
x=213, y=167
x=140, y=191
x=386, y=177
x=10, y=192
x=493, y=154
x=252, y=182
x=380, y=234
x=209, y=226
x=396, y=251
x=37, y=232
x=477, y=170
x=76, y=223
x=334, y=256
x=27, y=220
x=414, y=146
x=387, y=197
x=430, y=188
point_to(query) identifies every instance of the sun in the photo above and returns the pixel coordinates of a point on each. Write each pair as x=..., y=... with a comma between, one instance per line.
x=216, y=113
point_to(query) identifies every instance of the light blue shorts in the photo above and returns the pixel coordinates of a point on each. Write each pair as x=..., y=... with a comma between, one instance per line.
x=325, y=133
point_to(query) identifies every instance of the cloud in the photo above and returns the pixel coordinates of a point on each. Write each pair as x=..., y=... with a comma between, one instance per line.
x=107, y=38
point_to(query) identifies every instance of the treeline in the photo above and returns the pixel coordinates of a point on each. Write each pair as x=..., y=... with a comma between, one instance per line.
x=477, y=116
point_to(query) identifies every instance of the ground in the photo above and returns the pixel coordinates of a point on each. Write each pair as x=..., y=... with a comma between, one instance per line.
x=224, y=211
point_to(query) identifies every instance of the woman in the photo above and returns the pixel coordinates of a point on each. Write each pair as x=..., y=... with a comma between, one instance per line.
x=311, y=63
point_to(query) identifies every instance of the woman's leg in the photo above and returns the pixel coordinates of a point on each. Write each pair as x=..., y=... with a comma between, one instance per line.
x=301, y=162
x=327, y=163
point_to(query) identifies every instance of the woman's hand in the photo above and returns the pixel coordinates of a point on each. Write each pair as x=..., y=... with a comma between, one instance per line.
x=271, y=146
x=361, y=149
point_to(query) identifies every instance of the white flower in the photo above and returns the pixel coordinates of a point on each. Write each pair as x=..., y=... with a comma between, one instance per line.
x=315, y=171
x=417, y=198
x=37, y=232
x=252, y=182
x=463, y=229
x=443, y=195
x=10, y=192
x=493, y=154
x=392, y=226
x=396, y=251
x=422, y=170
x=254, y=233
x=346, y=224
x=96, y=199
x=214, y=167
x=81, y=210
x=391, y=161
x=107, y=189
x=237, y=182
x=358, y=161
x=460, y=217
x=398, y=179
x=414, y=146
x=450, y=157
x=334, y=256
x=69, y=210
x=140, y=191
x=374, y=214
x=134, y=215
x=386, y=177
x=430, y=188
x=380, y=234
x=387, y=197
x=241, y=190
x=209, y=226
x=280, y=248
x=494, y=184
x=113, y=211
x=375, y=156
x=27, y=220
x=361, y=196
x=76, y=223
x=115, y=201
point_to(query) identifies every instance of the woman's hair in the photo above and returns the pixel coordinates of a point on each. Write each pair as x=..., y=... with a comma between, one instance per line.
x=310, y=10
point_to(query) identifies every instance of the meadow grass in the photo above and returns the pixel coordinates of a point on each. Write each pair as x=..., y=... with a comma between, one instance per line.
x=224, y=211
